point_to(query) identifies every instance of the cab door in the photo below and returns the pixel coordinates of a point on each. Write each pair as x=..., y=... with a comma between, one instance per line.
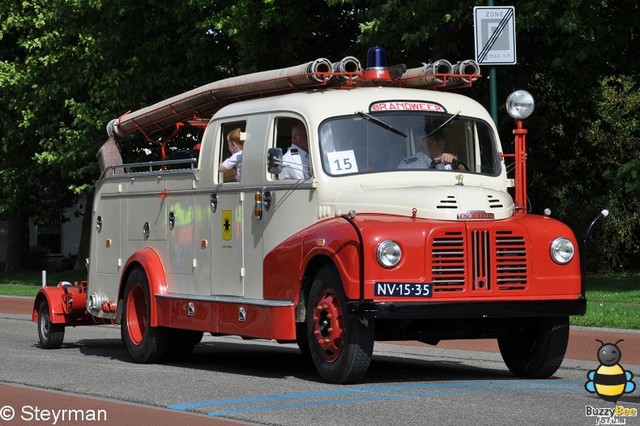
x=274, y=209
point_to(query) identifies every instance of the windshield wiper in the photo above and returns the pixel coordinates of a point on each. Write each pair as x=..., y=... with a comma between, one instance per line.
x=444, y=124
x=380, y=123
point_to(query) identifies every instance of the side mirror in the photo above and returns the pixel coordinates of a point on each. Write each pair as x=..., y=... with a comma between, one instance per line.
x=274, y=160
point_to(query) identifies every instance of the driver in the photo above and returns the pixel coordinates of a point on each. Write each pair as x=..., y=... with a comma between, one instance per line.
x=432, y=155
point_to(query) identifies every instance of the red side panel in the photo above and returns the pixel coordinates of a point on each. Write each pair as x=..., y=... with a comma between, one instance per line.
x=263, y=321
x=269, y=322
x=173, y=312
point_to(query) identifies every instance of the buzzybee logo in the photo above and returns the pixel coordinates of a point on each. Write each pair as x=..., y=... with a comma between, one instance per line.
x=610, y=380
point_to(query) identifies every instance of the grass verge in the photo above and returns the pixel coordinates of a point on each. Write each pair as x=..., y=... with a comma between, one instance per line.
x=613, y=301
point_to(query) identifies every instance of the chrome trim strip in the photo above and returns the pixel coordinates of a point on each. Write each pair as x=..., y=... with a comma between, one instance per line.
x=274, y=303
x=216, y=189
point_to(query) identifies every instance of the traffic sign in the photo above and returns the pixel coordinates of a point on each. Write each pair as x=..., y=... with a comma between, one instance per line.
x=495, y=35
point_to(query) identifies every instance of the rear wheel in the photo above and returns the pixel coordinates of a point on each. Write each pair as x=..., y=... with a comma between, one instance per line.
x=535, y=347
x=341, y=346
x=181, y=344
x=145, y=344
x=51, y=335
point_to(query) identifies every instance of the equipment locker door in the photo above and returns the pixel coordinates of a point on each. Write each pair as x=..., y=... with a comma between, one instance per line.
x=227, y=263
x=227, y=272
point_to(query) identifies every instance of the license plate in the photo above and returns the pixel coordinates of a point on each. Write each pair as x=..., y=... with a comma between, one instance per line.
x=402, y=289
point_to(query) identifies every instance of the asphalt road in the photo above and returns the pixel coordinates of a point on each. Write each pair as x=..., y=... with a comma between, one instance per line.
x=233, y=381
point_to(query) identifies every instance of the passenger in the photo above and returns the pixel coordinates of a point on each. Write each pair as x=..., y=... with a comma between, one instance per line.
x=432, y=155
x=295, y=162
x=235, y=160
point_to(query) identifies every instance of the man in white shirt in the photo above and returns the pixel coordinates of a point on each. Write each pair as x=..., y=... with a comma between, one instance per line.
x=295, y=162
x=432, y=156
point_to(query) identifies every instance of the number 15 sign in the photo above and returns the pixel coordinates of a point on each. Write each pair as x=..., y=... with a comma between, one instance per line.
x=342, y=162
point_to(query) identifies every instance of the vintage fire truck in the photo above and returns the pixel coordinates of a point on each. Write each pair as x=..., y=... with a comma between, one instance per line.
x=375, y=237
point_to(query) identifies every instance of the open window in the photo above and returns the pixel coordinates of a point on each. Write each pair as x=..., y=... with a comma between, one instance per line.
x=233, y=159
x=291, y=137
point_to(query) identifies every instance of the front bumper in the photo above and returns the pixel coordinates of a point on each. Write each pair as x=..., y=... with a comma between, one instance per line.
x=512, y=309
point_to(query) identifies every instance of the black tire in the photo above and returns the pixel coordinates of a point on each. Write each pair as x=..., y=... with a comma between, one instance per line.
x=535, y=347
x=51, y=335
x=302, y=339
x=145, y=344
x=341, y=345
x=181, y=344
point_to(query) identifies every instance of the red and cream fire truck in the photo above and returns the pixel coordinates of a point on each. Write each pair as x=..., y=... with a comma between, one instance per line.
x=376, y=236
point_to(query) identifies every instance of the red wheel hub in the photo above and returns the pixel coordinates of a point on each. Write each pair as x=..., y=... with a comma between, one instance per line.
x=328, y=325
x=137, y=315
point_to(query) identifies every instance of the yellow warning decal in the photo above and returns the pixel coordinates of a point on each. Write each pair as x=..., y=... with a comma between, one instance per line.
x=227, y=224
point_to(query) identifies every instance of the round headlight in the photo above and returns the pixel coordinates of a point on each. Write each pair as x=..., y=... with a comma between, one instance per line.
x=562, y=250
x=389, y=253
x=520, y=104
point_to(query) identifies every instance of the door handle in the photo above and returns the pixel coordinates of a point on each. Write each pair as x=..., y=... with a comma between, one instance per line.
x=214, y=202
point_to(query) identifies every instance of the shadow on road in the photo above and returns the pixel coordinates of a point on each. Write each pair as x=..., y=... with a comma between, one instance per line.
x=268, y=360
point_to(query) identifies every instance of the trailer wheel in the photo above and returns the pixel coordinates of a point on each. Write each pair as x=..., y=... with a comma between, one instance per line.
x=145, y=344
x=535, y=347
x=51, y=335
x=341, y=346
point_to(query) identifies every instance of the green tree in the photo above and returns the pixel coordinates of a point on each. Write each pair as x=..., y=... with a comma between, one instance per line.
x=615, y=133
x=271, y=34
x=69, y=66
x=66, y=68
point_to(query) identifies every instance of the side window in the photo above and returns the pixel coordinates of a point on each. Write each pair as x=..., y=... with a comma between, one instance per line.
x=291, y=135
x=489, y=161
x=231, y=146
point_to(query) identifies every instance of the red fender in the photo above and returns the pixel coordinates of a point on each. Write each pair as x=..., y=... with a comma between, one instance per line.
x=286, y=264
x=54, y=297
x=149, y=260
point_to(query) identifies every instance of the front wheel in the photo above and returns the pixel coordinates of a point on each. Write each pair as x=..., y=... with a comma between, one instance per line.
x=341, y=346
x=145, y=344
x=51, y=335
x=534, y=348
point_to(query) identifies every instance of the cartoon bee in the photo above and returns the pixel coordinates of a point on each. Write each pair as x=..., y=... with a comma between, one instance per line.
x=609, y=381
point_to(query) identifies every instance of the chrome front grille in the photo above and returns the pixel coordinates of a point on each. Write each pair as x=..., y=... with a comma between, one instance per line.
x=511, y=261
x=480, y=261
x=448, y=262
x=480, y=256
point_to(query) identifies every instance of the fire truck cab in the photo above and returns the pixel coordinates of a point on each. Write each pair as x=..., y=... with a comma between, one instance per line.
x=389, y=216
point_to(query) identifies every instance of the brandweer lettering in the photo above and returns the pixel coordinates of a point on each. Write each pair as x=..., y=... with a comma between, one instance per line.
x=406, y=106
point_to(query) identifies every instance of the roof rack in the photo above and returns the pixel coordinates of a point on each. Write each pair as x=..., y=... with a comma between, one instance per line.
x=201, y=103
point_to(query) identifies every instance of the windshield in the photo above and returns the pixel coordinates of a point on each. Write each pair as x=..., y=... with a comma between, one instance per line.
x=373, y=143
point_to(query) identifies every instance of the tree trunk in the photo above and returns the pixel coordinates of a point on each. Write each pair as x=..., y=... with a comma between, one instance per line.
x=17, y=242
